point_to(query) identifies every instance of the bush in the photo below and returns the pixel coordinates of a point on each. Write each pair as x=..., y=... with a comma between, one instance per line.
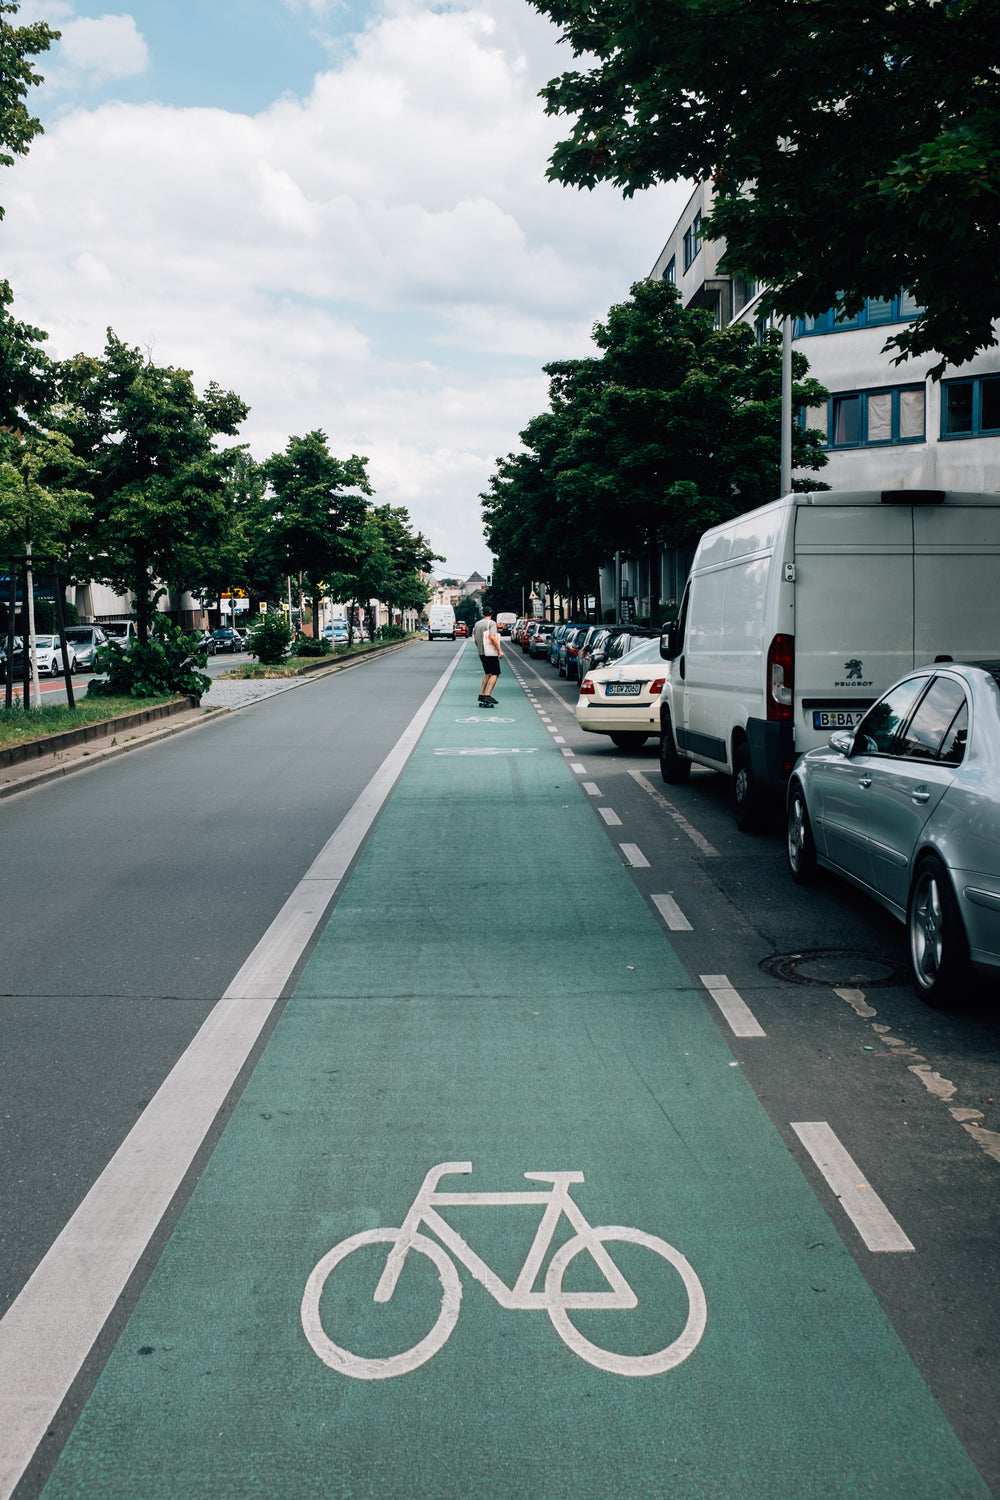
x=270, y=640
x=306, y=646
x=168, y=663
x=390, y=633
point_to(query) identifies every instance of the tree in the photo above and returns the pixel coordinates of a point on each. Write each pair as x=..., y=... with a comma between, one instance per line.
x=318, y=528
x=409, y=558
x=854, y=149
x=161, y=508
x=18, y=44
x=674, y=427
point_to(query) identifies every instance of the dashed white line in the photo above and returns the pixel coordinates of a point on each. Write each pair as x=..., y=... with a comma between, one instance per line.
x=635, y=856
x=671, y=913
x=862, y=1205
x=610, y=817
x=671, y=811
x=742, y=1021
x=559, y=739
x=568, y=753
x=591, y=788
x=575, y=765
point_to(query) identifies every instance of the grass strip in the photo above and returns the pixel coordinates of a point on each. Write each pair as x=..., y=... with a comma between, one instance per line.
x=300, y=666
x=19, y=724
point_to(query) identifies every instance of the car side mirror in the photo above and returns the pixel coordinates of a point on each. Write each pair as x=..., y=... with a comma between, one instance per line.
x=670, y=643
x=843, y=741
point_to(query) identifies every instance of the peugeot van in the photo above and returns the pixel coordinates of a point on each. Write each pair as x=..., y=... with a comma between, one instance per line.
x=441, y=622
x=798, y=615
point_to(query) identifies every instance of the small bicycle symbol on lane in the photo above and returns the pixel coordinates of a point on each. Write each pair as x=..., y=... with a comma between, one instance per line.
x=520, y=1297
x=488, y=719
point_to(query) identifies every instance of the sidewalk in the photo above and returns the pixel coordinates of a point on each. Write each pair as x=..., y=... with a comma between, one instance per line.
x=460, y=1012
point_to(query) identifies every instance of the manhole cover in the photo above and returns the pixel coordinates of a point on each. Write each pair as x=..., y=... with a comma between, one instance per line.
x=840, y=968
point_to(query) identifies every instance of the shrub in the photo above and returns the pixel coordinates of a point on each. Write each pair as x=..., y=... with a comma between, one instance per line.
x=306, y=646
x=168, y=663
x=390, y=633
x=270, y=640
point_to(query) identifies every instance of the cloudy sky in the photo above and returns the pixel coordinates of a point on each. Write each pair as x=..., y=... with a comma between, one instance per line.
x=337, y=208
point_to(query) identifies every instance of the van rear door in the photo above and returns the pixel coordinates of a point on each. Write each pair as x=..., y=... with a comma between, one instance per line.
x=854, y=612
x=956, y=568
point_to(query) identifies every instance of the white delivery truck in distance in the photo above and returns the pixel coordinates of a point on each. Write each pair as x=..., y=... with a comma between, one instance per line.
x=441, y=623
x=798, y=615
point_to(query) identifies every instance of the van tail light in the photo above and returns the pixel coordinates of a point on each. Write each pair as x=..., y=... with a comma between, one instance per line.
x=586, y=688
x=780, y=677
x=656, y=687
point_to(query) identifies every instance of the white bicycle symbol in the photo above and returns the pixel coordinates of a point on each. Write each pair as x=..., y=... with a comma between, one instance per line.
x=552, y=1300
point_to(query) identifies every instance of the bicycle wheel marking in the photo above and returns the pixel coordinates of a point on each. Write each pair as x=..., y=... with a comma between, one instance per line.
x=553, y=1300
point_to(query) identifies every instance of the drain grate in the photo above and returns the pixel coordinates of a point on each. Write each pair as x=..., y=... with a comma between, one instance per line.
x=839, y=968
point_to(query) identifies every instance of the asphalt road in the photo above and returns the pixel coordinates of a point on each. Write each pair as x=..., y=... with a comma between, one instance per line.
x=133, y=893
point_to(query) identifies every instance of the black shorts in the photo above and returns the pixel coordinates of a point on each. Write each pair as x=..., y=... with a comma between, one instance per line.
x=491, y=665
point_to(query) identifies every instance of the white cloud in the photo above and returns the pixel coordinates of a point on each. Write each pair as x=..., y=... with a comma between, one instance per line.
x=383, y=259
x=97, y=50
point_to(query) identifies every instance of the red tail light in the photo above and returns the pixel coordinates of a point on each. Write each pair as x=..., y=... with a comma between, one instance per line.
x=780, y=677
x=656, y=687
x=586, y=687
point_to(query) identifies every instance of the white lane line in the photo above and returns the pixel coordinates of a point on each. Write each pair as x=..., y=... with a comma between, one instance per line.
x=862, y=1205
x=559, y=739
x=568, y=753
x=591, y=788
x=635, y=856
x=671, y=811
x=742, y=1021
x=671, y=913
x=50, y=1328
x=575, y=765
x=610, y=817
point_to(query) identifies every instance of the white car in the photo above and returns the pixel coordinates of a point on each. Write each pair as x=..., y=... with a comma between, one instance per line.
x=623, y=700
x=49, y=654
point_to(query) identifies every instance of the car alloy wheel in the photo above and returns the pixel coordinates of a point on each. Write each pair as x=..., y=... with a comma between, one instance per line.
x=939, y=952
x=800, y=846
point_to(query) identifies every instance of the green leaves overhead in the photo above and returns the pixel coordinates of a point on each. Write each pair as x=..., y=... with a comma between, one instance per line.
x=853, y=149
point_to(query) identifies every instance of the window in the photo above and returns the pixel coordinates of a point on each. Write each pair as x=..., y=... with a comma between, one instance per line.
x=876, y=312
x=670, y=274
x=940, y=725
x=881, y=723
x=970, y=408
x=692, y=240
x=870, y=419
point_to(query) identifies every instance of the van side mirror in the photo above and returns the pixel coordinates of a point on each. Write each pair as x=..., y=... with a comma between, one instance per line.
x=670, y=643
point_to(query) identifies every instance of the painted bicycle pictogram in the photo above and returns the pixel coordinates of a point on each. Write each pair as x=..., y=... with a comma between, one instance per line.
x=552, y=1299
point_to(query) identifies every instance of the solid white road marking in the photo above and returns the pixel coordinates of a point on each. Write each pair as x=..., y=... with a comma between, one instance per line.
x=742, y=1021
x=635, y=856
x=671, y=811
x=671, y=913
x=610, y=817
x=863, y=1206
x=50, y=1327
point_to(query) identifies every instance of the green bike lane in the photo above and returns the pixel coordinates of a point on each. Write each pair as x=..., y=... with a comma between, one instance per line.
x=450, y=1013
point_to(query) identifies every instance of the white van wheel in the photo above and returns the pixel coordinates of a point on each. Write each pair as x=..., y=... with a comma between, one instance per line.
x=673, y=767
x=748, y=799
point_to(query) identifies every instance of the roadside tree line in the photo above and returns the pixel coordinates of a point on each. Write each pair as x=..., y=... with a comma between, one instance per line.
x=120, y=469
x=672, y=426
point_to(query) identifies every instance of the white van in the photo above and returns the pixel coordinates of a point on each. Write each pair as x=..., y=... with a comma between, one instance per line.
x=797, y=615
x=441, y=622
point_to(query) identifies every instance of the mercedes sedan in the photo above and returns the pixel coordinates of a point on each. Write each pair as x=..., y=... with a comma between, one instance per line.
x=907, y=807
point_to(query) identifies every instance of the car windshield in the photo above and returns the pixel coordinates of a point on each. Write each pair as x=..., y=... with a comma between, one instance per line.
x=78, y=633
x=642, y=651
x=45, y=642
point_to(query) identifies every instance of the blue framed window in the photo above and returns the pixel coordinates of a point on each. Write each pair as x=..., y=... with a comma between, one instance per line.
x=692, y=240
x=876, y=313
x=870, y=419
x=670, y=274
x=971, y=407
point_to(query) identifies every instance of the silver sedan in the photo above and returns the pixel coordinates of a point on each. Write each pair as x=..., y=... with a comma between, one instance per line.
x=907, y=807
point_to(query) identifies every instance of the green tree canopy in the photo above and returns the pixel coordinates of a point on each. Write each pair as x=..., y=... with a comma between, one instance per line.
x=18, y=45
x=161, y=510
x=854, y=149
x=675, y=426
x=320, y=511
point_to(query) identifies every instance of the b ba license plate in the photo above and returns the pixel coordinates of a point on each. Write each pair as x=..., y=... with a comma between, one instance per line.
x=837, y=718
x=622, y=689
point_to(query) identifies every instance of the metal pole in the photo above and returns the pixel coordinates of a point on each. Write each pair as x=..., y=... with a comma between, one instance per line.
x=61, y=627
x=29, y=588
x=786, y=407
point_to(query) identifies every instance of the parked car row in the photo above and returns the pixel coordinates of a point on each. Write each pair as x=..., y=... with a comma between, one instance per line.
x=82, y=642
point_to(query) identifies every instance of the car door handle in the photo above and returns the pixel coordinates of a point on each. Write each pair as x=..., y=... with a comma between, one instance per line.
x=864, y=782
x=920, y=795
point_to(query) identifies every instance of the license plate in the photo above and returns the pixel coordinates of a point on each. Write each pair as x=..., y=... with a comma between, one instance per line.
x=622, y=689
x=837, y=718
